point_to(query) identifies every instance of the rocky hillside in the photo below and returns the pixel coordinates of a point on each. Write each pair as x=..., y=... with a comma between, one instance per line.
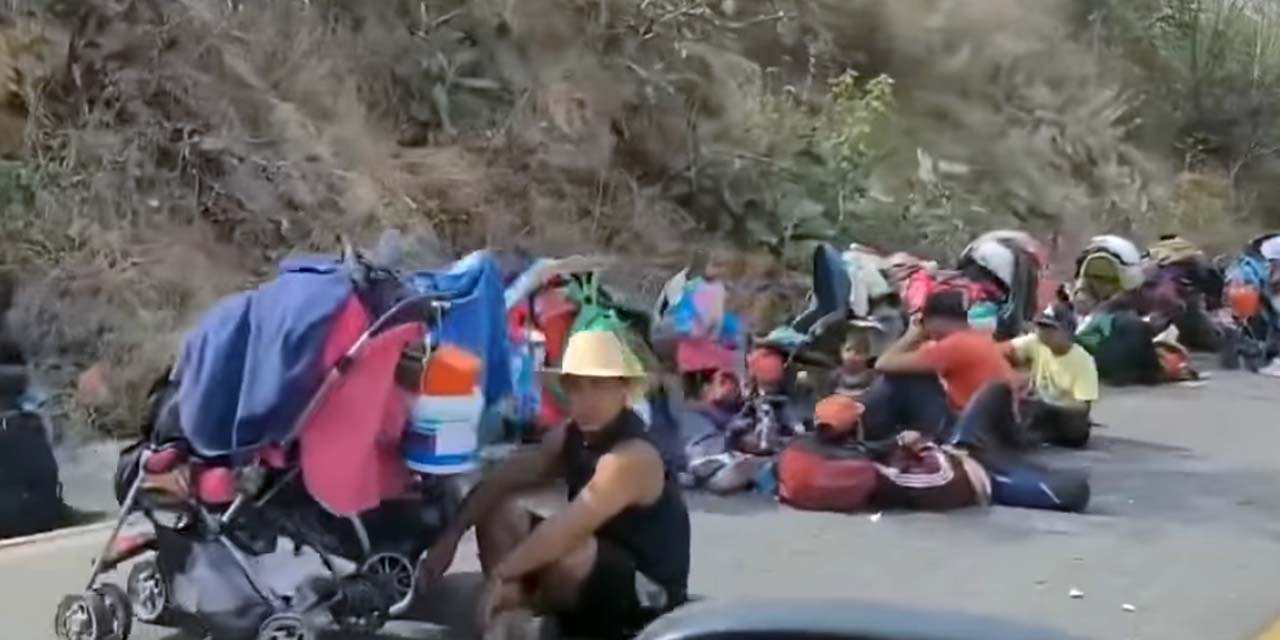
x=164, y=152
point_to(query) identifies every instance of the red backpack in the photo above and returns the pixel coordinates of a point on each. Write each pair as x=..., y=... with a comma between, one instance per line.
x=820, y=477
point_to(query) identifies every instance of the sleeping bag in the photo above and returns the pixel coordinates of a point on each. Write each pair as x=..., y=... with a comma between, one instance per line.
x=819, y=477
x=1019, y=482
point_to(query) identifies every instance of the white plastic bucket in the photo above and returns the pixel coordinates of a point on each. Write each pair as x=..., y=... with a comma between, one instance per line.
x=443, y=435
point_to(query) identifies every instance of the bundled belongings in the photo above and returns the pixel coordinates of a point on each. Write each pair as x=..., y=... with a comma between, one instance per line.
x=1252, y=328
x=1013, y=260
x=1109, y=266
x=850, y=297
x=297, y=412
x=1190, y=287
x=706, y=334
x=998, y=275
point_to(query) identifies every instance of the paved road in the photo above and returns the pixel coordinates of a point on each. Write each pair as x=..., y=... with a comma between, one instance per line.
x=1185, y=527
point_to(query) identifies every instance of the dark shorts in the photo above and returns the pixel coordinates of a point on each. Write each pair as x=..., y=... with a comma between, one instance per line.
x=616, y=600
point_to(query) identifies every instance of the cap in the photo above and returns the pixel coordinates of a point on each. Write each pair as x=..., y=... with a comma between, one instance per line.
x=840, y=413
x=1058, y=316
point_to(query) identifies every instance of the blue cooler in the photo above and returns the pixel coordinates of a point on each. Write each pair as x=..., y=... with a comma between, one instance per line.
x=443, y=434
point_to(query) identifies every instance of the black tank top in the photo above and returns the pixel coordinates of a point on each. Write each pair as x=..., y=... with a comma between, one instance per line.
x=657, y=535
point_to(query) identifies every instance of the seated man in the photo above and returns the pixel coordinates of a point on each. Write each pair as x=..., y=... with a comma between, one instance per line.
x=618, y=555
x=1063, y=378
x=932, y=372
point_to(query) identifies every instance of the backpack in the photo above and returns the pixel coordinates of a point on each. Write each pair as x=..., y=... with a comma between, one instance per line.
x=30, y=493
x=819, y=477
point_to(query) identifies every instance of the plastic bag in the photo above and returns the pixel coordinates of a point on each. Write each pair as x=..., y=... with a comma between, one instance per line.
x=684, y=315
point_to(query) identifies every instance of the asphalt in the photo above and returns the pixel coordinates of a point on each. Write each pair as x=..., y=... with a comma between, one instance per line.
x=1182, y=539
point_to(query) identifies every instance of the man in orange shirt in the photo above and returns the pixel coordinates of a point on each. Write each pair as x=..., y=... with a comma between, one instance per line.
x=933, y=371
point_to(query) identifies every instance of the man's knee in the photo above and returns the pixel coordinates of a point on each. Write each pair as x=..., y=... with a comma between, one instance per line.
x=500, y=530
x=1061, y=426
x=1073, y=430
x=507, y=515
x=559, y=583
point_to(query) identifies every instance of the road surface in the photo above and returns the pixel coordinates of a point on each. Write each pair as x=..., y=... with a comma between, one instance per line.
x=1182, y=540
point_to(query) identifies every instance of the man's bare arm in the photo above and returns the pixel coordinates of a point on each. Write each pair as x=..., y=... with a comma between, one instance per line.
x=630, y=476
x=525, y=468
x=903, y=356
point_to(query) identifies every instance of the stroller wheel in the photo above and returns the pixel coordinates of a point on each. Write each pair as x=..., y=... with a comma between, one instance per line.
x=120, y=624
x=285, y=626
x=395, y=570
x=83, y=617
x=149, y=593
x=362, y=606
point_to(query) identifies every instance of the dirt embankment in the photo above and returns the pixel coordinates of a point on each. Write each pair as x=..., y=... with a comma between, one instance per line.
x=170, y=152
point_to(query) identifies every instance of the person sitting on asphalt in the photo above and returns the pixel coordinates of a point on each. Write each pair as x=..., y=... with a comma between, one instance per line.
x=618, y=555
x=933, y=371
x=1063, y=378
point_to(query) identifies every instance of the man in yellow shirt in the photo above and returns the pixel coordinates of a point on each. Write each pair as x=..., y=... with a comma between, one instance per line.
x=1063, y=378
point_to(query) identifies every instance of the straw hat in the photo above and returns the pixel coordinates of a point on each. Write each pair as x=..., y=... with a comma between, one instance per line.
x=600, y=354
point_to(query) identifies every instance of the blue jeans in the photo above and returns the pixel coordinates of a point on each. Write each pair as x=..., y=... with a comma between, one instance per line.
x=897, y=402
x=987, y=428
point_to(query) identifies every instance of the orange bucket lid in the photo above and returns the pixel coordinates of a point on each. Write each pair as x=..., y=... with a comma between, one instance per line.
x=451, y=371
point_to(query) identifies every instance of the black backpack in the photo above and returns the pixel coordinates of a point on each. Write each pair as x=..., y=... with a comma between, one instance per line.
x=30, y=493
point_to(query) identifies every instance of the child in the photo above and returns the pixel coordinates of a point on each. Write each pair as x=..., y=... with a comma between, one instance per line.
x=855, y=374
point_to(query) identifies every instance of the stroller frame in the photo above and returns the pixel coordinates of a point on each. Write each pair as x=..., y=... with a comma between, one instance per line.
x=104, y=611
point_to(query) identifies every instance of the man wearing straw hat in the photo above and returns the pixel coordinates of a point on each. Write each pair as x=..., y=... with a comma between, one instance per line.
x=618, y=556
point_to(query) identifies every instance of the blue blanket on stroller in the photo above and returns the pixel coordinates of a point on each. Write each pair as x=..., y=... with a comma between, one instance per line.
x=477, y=319
x=251, y=366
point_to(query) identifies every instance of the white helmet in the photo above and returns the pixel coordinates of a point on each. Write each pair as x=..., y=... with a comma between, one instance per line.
x=1124, y=250
x=994, y=256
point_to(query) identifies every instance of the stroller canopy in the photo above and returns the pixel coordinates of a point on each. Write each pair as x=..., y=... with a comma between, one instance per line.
x=250, y=367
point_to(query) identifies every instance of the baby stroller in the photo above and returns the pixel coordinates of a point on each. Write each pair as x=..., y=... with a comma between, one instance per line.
x=291, y=502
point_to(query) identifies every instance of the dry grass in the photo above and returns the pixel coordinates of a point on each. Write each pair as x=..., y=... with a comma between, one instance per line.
x=177, y=149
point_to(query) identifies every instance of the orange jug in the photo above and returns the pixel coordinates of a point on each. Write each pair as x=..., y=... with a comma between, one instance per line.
x=1245, y=301
x=451, y=371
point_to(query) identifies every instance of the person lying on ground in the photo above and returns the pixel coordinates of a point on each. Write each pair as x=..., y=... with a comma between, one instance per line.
x=827, y=469
x=1063, y=382
x=989, y=432
x=618, y=555
x=932, y=372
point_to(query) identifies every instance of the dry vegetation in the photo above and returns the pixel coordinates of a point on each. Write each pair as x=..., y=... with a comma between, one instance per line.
x=165, y=152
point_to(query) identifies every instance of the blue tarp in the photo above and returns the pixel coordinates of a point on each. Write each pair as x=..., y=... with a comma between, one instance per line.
x=477, y=319
x=251, y=366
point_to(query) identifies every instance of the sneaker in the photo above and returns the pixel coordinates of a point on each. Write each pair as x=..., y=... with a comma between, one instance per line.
x=1272, y=370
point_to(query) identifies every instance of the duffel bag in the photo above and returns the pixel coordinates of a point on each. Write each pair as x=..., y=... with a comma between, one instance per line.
x=819, y=477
